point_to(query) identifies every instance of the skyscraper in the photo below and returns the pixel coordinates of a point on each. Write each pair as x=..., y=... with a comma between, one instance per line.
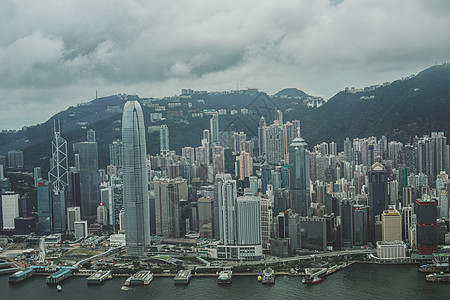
x=226, y=198
x=164, y=140
x=299, y=176
x=135, y=180
x=214, y=128
x=86, y=162
x=59, y=178
x=378, y=193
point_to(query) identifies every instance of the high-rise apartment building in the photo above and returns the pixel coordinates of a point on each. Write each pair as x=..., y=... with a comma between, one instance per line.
x=164, y=140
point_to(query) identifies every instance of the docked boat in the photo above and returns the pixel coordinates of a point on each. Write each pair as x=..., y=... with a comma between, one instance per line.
x=98, y=277
x=140, y=278
x=438, y=277
x=316, y=280
x=182, y=277
x=225, y=276
x=268, y=276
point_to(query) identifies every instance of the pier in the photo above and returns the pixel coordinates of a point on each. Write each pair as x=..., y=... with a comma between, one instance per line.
x=60, y=275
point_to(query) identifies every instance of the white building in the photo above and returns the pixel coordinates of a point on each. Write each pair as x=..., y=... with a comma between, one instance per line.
x=73, y=215
x=391, y=250
x=248, y=220
x=10, y=209
x=116, y=240
x=102, y=214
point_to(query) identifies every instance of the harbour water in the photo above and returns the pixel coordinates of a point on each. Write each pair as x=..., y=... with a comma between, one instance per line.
x=359, y=281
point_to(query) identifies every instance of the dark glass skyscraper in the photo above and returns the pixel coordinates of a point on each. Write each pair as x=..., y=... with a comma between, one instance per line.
x=378, y=193
x=135, y=180
x=299, y=176
x=87, y=166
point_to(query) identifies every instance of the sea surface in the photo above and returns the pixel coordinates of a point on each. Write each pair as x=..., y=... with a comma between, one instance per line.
x=359, y=281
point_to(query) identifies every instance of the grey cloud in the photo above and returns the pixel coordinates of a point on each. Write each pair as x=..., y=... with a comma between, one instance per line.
x=57, y=52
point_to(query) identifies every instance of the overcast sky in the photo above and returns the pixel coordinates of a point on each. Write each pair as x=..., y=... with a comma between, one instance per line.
x=57, y=53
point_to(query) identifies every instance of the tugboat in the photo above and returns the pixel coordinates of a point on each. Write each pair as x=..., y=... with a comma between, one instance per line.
x=59, y=288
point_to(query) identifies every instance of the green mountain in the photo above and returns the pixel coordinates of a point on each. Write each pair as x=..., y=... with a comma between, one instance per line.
x=291, y=93
x=400, y=110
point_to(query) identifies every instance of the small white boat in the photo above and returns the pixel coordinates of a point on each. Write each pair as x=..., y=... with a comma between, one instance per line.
x=59, y=288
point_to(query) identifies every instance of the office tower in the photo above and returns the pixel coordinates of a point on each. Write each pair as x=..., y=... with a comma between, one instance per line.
x=135, y=180
x=274, y=143
x=115, y=153
x=2, y=174
x=393, y=192
x=205, y=217
x=314, y=233
x=333, y=149
x=73, y=215
x=10, y=209
x=164, y=140
x=59, y=179
x=37, y=174
x=15, y=159
x=218, y=159
x=261, y=137
x=407, y=223
x=443, y=203
x=226, y=198
x=214, y=128
x=168, y=195
x=360, y=225
x=346, y=214
x=391, y=226
x=86, y=163
x=248, y=217
x=44, y=205
x=266, y=222
x=426, y=226
x=244, y=165
x=218, y=182
x=299, y=185
x=102, y=214
x=378, y=193
x=81, y=229
x=266, y=177
x=3, y=161
x=188, y=152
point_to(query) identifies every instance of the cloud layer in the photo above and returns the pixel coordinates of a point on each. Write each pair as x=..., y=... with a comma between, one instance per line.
x=56, y=53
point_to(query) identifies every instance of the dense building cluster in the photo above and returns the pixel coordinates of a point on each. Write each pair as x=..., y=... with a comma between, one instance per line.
x=244, y=195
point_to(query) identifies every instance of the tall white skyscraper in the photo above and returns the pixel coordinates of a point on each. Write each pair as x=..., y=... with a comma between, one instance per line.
x=135, y=180
x=226, y=197
x=248, y=220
